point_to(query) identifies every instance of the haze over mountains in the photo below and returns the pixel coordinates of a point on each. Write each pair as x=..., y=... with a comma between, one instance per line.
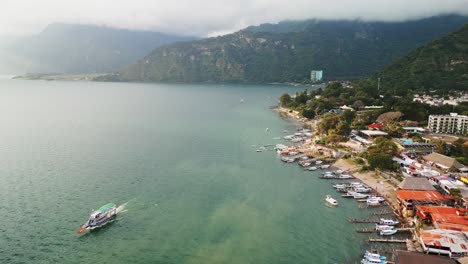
x=67, y=48
x=287, y=51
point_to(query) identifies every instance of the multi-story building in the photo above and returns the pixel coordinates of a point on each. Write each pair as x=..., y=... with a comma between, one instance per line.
x=316, y=76
x=448, y=124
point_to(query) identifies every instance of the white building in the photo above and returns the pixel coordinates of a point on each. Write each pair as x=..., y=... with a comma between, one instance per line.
x=449, y=124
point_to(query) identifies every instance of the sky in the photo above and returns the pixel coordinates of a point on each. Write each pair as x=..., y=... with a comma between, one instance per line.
x=207, y=17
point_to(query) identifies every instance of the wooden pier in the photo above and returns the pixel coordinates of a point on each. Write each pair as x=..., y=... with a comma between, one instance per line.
x=384, y=240
x=366, y=230
x=364, y=221
x=383, y=212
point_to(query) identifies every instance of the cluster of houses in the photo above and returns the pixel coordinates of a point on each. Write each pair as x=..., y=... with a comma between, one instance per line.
x=433, y=195
x=437, y=100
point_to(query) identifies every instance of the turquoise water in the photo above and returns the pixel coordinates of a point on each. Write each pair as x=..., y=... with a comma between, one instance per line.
x=181, y=156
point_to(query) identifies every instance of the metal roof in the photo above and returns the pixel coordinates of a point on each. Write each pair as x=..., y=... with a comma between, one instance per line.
x=413, y=183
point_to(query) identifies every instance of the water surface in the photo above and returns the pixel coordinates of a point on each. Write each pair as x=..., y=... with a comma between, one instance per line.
x=181, y=156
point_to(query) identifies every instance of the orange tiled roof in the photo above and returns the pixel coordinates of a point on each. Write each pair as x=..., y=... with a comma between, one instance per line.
x=446, y=217
x=420, y=195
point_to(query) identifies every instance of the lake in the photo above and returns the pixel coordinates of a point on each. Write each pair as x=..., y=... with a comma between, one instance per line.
x=180, y=156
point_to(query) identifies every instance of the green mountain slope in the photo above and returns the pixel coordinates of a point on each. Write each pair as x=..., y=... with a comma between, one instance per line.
x=439, y=65
x=70, y=48
x=289, y=51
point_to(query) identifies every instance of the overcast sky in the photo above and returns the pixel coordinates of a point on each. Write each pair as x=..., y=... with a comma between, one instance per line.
x=207, y=17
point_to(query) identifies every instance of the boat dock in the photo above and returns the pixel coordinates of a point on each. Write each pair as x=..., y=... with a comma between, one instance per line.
x=375, y=221
x=383, y=212
x=372, y=230
x=384, y=240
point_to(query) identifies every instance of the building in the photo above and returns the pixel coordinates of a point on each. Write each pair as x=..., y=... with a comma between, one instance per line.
x=375, y=126
x=443, y=217
x=407, y=257
x=414, y=130
x=443, y=162
x=408, y=199
x=444, y=242
x=448, y=124
x=370, y=134
x=408, y=145
x=416, y=184
x=316, y=76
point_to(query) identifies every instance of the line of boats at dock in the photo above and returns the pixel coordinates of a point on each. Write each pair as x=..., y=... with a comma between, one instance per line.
x=352, y=189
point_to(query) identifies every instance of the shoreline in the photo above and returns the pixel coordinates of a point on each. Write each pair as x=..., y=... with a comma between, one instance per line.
x=379, y=184
x=371, y=179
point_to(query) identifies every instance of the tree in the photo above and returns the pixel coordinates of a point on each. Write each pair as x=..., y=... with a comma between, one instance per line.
x=343, y=128
x=380, y=161
x=440, y=147
x=385, y=146
x=348, y=116
x=286, y=100
x=358, y=104
x=327, y=123
x=308, y=113
x=388, y=117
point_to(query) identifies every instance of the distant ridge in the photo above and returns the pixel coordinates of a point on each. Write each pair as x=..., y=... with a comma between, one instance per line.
x=72, y=48
x=286, y=52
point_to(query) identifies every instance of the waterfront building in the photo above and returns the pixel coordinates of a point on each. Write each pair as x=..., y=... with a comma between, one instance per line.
x=407, y=257
x=443, y=217
x=444, y=242
x=448, y=124
x=316, y=76
x=408, y=199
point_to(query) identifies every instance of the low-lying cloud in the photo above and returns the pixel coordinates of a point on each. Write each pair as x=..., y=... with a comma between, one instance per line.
x=208, y=17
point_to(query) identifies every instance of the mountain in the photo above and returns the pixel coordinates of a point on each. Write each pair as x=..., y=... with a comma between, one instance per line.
x=439, y=65
x=288, y=51
x=71, y=48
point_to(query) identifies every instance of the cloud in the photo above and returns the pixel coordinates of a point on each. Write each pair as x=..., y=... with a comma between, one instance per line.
x=208, y=17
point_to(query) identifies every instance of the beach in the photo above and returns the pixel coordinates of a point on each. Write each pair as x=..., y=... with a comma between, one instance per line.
x=370, y=178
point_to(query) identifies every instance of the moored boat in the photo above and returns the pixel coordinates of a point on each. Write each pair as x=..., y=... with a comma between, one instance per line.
x=388, y=222
x=100, y=217
x=312, y=168
x=369, y=255
x=372, y=202
x=330, y=200
x=383, y=227
x=388, y=232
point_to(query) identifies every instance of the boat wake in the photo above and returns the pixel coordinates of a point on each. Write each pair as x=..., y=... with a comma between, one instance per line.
x=122, y=208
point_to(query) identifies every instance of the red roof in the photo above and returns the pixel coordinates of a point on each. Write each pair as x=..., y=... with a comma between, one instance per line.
x=420, y=195
x=375, y=126
x=447, y=217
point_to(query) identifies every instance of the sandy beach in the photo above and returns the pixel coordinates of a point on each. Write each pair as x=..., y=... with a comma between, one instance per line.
x=379, y=184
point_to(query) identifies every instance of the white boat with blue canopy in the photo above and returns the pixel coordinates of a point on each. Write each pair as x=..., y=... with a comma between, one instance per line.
x=100, y=217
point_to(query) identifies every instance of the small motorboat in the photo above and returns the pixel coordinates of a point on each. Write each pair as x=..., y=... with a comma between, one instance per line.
x=357, y=195
x=373, y=261
x=383, y=227
x=369, y=255
x=388, y=232
x=325, y=166
x=388, y=222
x=318, y=162
x=345, y=176
x=312, y=168
x=372, y=202
x=330, y=200
x=100, y=217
